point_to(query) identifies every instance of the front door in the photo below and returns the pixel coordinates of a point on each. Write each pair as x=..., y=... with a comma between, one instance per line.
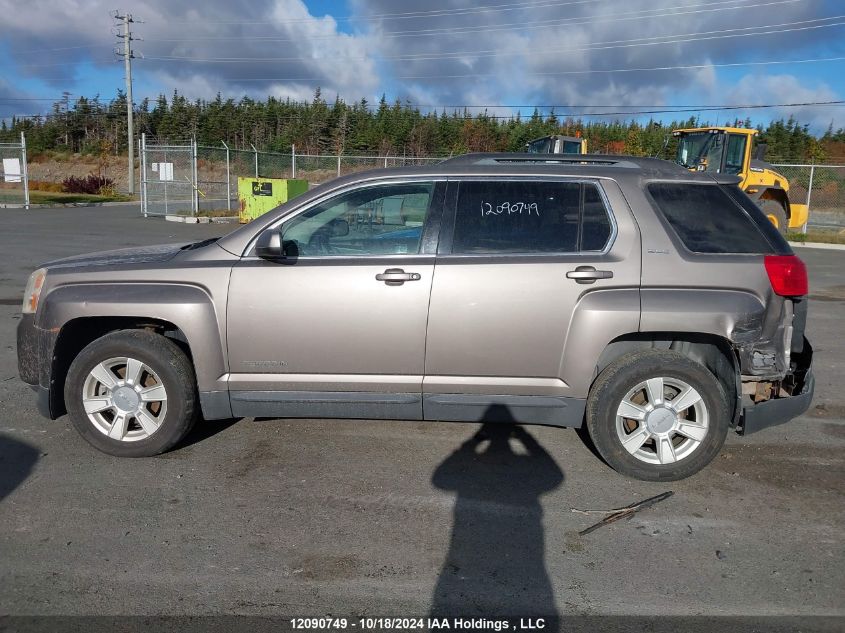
x=532, y=275
x=337, y=328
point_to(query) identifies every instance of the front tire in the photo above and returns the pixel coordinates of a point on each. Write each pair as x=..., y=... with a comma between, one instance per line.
x=776, y=213
x=132, y=393
x=657, y=415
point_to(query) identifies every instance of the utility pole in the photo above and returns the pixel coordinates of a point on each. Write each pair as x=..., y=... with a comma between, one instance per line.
x=127, y=55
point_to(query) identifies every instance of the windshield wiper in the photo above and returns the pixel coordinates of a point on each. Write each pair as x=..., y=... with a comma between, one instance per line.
x=200, y=244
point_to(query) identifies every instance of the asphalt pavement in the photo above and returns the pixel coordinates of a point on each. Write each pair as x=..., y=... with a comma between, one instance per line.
x=310, y=517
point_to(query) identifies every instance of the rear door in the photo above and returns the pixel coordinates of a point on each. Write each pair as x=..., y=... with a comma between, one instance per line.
x=532, y=277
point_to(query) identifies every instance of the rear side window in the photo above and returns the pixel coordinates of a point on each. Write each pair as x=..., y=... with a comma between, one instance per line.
x=707, y=219
x=529, y=217
x=777, y=241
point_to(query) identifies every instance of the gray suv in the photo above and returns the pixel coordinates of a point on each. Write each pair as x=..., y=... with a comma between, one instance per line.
x=653, y=307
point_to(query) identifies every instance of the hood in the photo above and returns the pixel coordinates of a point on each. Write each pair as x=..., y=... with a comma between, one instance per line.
x=137, y=255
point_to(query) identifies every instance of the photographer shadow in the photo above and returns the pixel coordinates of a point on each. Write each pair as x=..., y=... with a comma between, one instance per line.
x=496, y=558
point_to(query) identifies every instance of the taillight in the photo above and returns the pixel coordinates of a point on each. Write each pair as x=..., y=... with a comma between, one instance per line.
x=787, y=274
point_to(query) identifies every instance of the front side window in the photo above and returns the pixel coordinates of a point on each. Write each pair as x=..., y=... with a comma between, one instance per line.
x=378, y=220
x=735, y=155
x=571, y=147
x=529, y=217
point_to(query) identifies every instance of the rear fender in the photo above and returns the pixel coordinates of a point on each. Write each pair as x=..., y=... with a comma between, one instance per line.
x=599, y=317
x=760, y=337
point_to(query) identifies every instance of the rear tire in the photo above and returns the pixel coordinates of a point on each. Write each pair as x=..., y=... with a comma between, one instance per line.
x=776, y=213
x=675, y=415
x=132, y=393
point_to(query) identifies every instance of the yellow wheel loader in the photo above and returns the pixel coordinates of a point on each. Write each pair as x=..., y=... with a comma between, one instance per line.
x=557, y=144
x=727, y=150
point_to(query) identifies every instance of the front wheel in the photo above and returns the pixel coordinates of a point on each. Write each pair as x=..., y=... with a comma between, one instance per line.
x=657, y=415
x=132, y=393
x=777, y=215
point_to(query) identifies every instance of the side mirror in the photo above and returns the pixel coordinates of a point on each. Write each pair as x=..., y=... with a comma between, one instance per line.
x=269, y=244
x=760, y=151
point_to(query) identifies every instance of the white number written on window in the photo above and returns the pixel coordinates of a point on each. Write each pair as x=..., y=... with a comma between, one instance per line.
x=509, y=208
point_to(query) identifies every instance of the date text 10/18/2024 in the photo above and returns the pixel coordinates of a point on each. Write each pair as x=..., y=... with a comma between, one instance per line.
x=417, y=624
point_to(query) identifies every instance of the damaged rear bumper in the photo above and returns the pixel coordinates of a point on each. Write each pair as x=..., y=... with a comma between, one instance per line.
x=781, y=410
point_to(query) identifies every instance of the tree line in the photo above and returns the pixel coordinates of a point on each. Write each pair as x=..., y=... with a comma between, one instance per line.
x=95, y=126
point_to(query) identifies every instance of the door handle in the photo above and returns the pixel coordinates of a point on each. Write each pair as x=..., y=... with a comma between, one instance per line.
x=397, y=277
x=588, y=274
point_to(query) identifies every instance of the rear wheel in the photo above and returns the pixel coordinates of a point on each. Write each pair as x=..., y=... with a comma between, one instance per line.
x=657, y=415
x=775, y=212
x=132, y=393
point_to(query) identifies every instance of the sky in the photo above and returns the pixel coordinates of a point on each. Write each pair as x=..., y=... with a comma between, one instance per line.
x=591, y=58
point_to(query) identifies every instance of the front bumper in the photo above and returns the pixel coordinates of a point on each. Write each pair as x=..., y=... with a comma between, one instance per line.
x=28, y=350
x=781, y=410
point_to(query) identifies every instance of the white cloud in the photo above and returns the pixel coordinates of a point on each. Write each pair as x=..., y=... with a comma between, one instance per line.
x=509, y=55
x=756, y=89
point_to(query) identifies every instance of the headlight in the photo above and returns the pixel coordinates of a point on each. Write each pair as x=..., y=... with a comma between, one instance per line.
x=33, y=291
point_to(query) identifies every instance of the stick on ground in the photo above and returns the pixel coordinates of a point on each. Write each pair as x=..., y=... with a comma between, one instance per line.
x=628, y=511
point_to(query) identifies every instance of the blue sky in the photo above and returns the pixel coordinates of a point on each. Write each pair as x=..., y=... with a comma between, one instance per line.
x=574, y=54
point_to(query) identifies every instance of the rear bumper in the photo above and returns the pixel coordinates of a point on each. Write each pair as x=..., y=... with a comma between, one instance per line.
x=776, y=411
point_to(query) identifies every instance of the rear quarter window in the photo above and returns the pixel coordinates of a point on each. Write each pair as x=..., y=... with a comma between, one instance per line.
x=707, y=219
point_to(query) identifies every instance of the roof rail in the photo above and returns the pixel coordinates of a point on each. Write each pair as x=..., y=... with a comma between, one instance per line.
x=550, y=158
x=540, y=159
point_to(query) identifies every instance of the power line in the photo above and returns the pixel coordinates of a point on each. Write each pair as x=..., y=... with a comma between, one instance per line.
x=555, y=73
x=686, y=107
x=641, y=14
x=74, y=63
x=536, y=24
x=645, y=41
x=237, y=80
x=679, y=107
x=62, y=48
x=572, y=114
x=725, y=34
x=419, y=14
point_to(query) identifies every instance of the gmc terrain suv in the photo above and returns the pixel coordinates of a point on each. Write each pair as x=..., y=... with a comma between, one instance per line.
x=655, y=307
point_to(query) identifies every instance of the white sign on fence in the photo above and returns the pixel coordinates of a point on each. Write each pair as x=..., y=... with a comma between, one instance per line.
x=12, y=169
x=165, y=170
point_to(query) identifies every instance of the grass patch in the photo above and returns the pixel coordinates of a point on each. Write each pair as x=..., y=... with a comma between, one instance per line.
x=57, y=197
x=822, y=236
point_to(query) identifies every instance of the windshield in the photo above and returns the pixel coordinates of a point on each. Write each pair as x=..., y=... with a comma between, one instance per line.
x=696, y=148
x=540, y=146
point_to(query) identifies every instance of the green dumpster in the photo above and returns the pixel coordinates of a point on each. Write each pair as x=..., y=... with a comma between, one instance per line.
x=257, y=196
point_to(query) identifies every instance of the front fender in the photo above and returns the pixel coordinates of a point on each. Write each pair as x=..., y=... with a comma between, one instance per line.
x=188, y=307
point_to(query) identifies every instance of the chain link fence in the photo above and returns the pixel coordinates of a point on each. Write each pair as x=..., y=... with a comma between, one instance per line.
x=218, y=169
x=822, y=187
x=168, y=177
x=14, y=182
x=187, y=179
